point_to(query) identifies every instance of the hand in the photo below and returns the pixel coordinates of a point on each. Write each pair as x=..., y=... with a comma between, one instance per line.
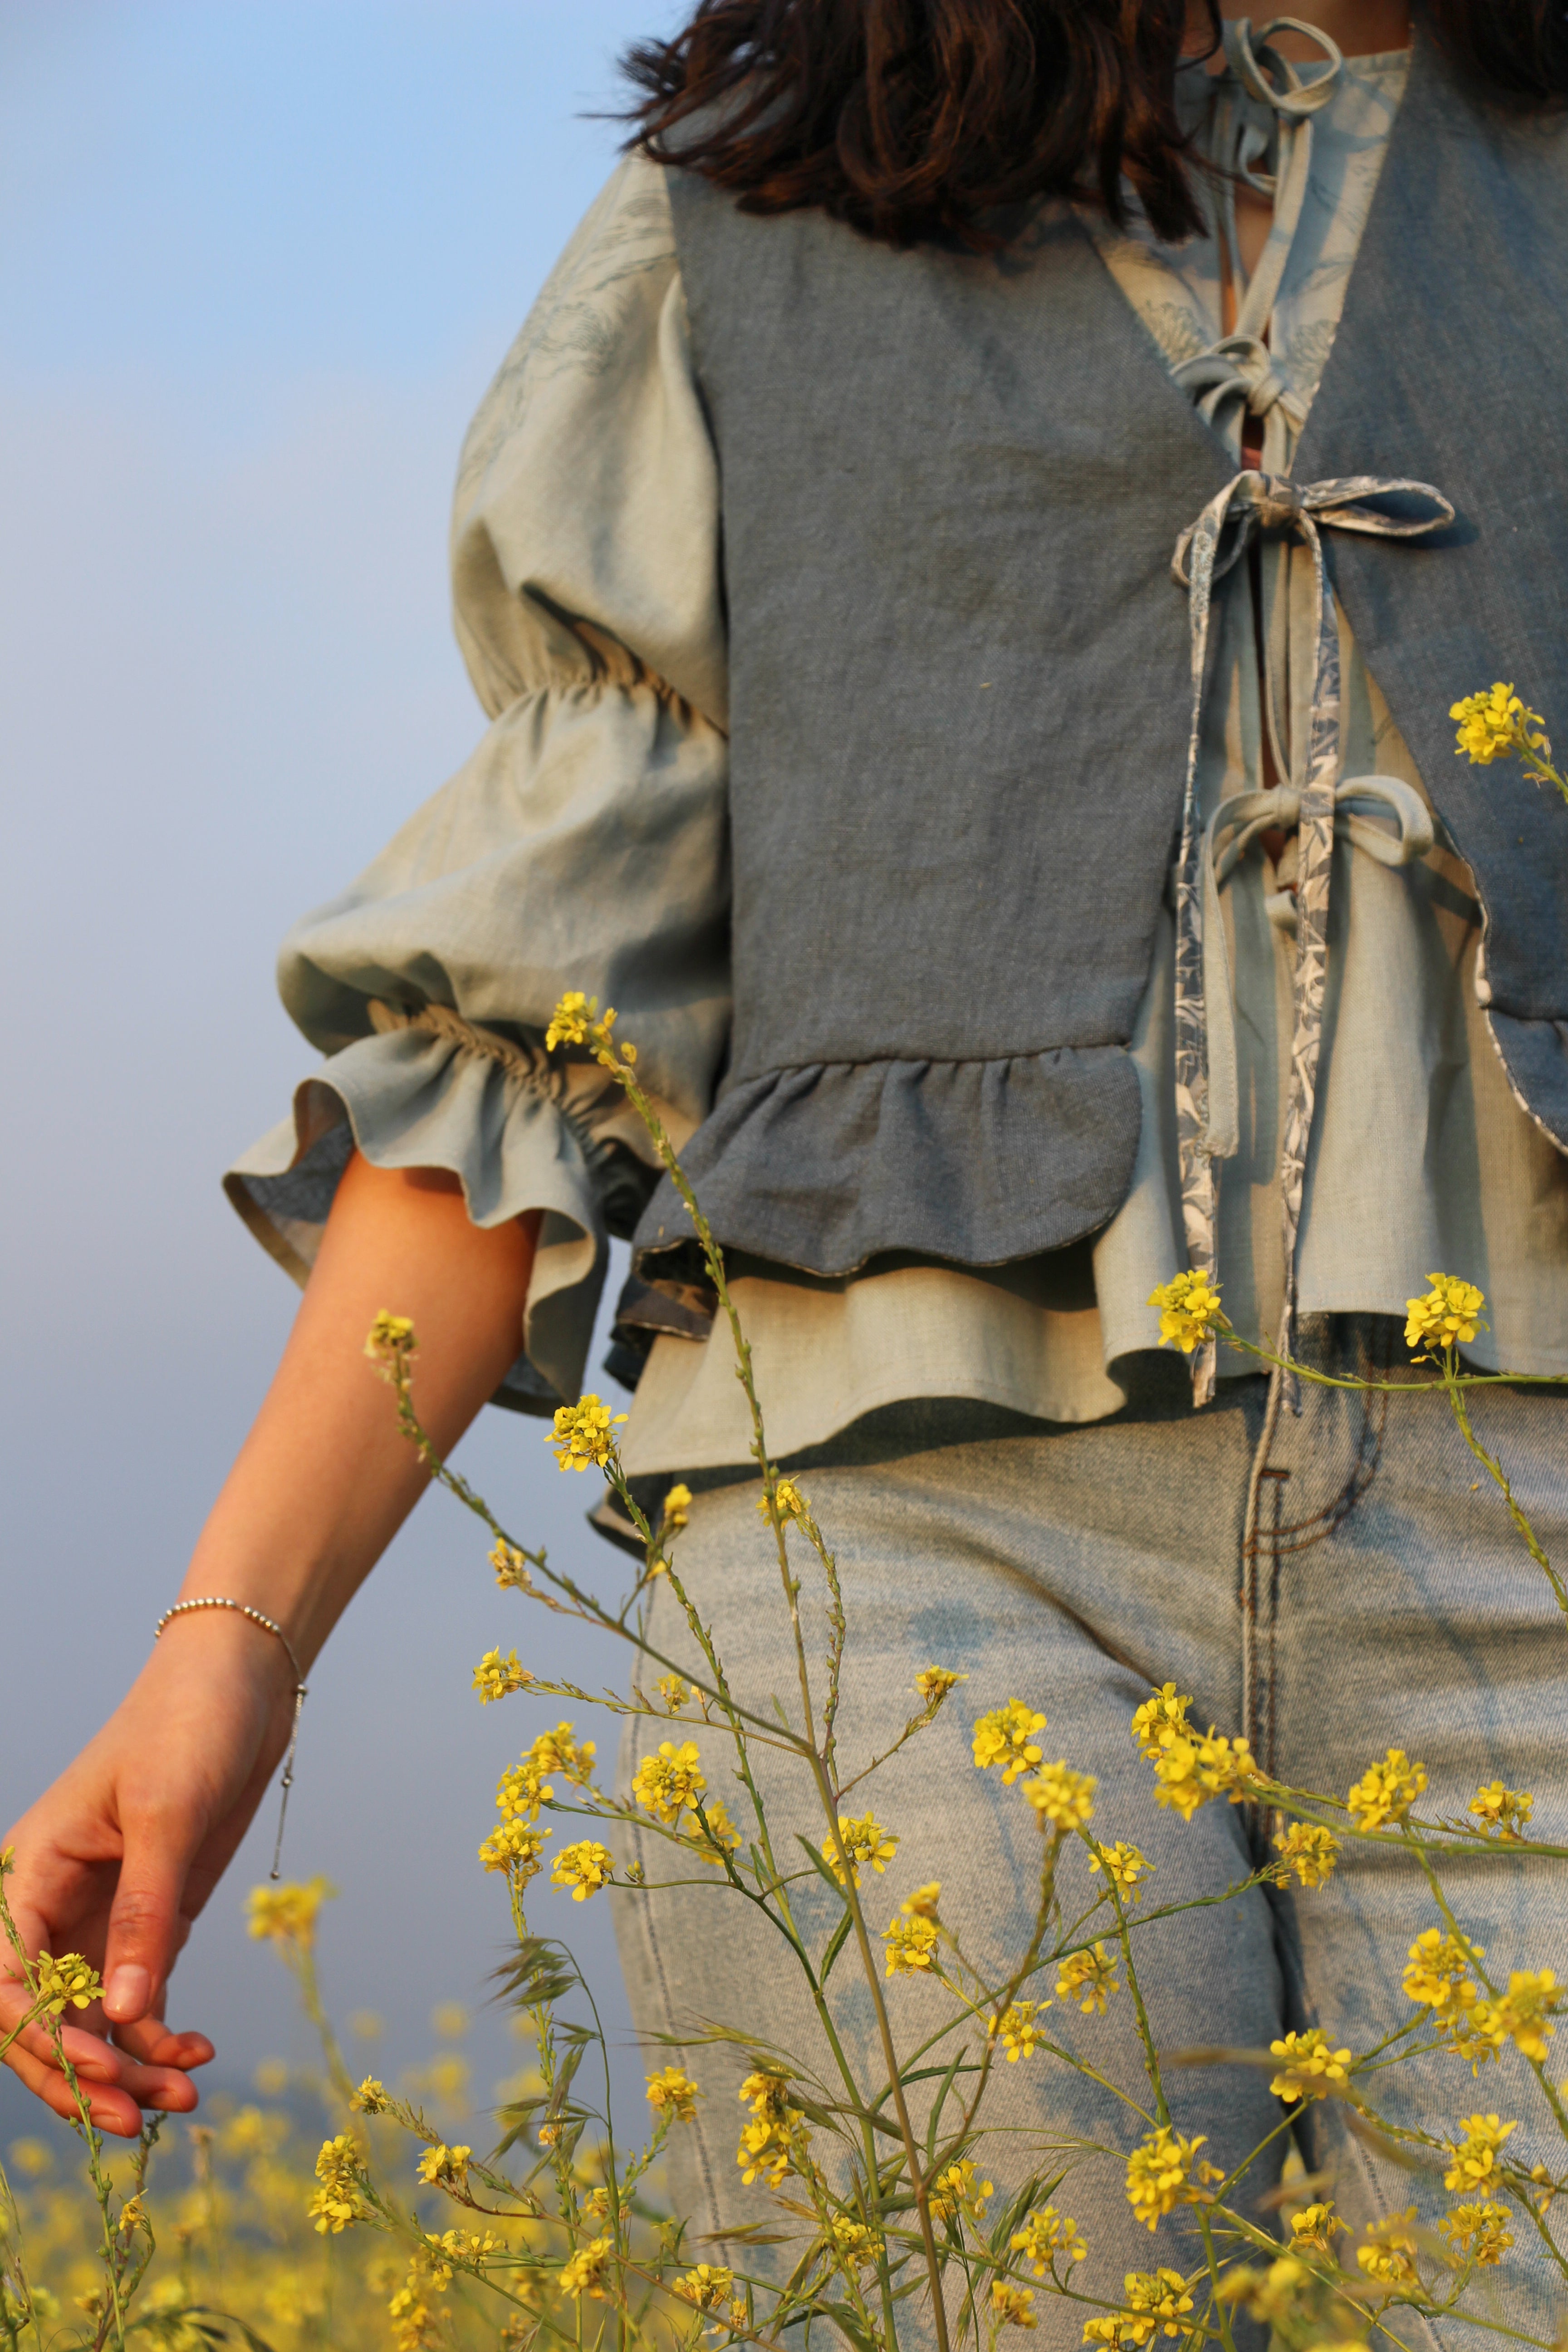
x=118, y=1858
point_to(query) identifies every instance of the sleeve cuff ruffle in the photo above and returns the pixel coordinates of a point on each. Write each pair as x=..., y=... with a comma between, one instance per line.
x=516, y=1140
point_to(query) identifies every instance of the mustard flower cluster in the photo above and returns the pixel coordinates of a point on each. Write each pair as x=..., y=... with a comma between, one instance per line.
x=1315, y=2227
x=1010, y=2306
x=1190, y=1766
x=523, y=1787
x=668, y=1784
x=1385, y=1791
x=676, y=1511
x=1309, y=2068
x=936, y=1683
x=337, y=2203
x=1061, y=1797
x=584, y=1867
x=1157, y=2302
x=514, y=1849
x=577, y=1021
x=956, y=2190
x=1017, y=2027
x=1124, y=1867
x=788, y=1502
x=1387, y=2257
x=1189, y=1311
x=705, y=2287
x=497, y=1677
x=1477, y=2163
x=583, y=2273
x=1048, y=2238
x=1008, y=1737
x=584, y=1435
x=774, y=2138
x=1479, y=2232
x=1493, y=726
x=852, y=2244
x=1090, y=1979
x=1165, y=2171
x=673, y=2089
x=1447, y=1316
x=1308, y=1851
x=712, y=1831
x=445, y=2167
x=287, y=1913
x=1502, y=1812
x=390, y=1343
x=68, y=1983
x=510, y=1567
x=863, y=1841
x=910, y=1947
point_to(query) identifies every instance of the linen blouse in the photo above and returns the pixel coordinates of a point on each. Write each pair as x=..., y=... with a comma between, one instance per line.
x=583, y=845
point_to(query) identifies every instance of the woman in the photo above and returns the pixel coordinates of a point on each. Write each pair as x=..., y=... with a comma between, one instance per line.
x=813, y=561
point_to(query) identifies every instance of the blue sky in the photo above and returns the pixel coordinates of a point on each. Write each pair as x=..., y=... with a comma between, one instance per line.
x=257, y=264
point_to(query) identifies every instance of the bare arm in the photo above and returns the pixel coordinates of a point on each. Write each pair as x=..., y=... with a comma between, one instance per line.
x=116, y=1859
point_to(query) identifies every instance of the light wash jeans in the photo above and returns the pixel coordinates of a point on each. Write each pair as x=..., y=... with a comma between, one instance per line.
x=1331, y=1586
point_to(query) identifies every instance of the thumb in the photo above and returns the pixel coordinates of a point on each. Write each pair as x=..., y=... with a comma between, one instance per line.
x=146, y=1923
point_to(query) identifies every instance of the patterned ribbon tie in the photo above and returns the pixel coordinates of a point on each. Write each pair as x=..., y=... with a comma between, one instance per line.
x=1252, y=503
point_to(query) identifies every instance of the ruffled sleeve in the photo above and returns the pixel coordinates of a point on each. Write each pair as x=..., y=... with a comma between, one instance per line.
x=583, y=846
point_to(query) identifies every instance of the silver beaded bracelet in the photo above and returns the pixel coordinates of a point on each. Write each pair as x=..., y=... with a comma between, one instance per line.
x=268, y=1625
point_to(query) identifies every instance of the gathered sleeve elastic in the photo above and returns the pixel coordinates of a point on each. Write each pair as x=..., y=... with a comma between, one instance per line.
x=583, y=846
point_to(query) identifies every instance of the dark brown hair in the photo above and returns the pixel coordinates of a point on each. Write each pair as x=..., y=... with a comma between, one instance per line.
x=917, y=118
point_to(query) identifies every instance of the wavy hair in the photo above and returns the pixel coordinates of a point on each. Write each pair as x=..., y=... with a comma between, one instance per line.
x=918, y=119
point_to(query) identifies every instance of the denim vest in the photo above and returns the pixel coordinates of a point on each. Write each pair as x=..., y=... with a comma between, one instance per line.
x=958, y=691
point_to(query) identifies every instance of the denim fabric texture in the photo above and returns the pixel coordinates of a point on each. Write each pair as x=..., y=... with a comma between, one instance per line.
x=1328, y=1584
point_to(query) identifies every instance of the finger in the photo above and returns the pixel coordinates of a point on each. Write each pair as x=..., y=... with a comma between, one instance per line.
x=149, y=2039
x=88, y=2053
x=111, y=2109
x=145, y=1928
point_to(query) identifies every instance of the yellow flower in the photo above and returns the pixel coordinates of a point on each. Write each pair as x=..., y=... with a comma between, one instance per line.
x=935, y=1683
x=1386, y=2258
x=1446, y=1317
x=495, y=1676
x=789, y=1503
x=70, y=1983
x=1476, y=2157
x=1316, y=2226
x=676, y=1692
x=1007, y=1737
x=923, y=1903
x=720, y=1837
x=1061, y=1795
x=511, y=1568
x=1189, y=1770
x=864, y=1841
x=706, y=2286
x=677, y=1506
x=1012, y=2306
x=1310, y=2069
x=956, y=2190
x=1157, y=2302
x=583, y=1867
x=1189, y=1311
x=525, y=1786
x=1308, y=1850
x=512, y=1847
x=673, y=2088
x=1046, y=2238
x=370, y=2098
x=391, y=1341
x=1387, y=1791
x=583, y=2273
x=1091, y=1975
x=1162, y=1716
x=447, y=2166
x=1438, y=1976
x=775, y=2137
x=1125, y=1868
x=1502, y=1812
x=1523, y=2014
x=584, y=1435
x=1166, y=2171
x=665, y=1784
x=1018, y=2029
x=852, y=2243
x=1480, y=2232
x=1494, y=726
x=577, y=1021
x=337, y=2202
x=911, y=1946
x=287, y=1913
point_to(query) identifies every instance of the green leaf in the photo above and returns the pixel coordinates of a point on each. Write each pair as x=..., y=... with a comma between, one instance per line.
x=836, y=1944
